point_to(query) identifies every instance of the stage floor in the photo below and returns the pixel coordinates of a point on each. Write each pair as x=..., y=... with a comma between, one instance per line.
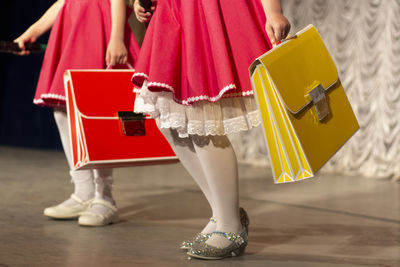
x=326, y=221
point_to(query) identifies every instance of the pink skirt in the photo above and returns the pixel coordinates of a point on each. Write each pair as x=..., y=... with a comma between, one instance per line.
x=192, y=72
x=78, y=40
x=201, y=49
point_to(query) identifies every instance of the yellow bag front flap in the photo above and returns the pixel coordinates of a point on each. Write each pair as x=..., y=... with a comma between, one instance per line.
x=299, y=65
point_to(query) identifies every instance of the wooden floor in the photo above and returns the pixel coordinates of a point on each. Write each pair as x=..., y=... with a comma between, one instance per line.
x=324, y=222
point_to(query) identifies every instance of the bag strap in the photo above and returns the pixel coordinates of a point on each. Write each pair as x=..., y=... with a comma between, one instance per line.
x=109, y=66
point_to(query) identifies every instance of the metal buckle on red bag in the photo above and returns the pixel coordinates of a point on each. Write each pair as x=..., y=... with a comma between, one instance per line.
x=132, y=124
x=321, y=105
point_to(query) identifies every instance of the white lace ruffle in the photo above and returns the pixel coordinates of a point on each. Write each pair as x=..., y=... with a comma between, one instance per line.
x=226, y=116
x=43, y=100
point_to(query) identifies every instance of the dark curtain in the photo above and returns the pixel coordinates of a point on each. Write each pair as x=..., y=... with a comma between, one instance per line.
x=21, y=122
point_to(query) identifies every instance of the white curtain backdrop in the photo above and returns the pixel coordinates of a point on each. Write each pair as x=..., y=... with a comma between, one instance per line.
x=363, y=37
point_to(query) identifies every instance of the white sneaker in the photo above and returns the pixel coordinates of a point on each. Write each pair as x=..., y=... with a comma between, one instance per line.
x=92, y=217
x=68, y=212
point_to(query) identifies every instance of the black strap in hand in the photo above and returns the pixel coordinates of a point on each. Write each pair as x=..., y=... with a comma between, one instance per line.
x=11, y=47
x=146, y=4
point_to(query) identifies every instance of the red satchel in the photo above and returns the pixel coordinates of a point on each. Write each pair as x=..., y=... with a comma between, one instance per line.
x=104, y=131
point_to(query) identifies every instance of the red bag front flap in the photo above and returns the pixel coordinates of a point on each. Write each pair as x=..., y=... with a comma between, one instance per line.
x=102, y=93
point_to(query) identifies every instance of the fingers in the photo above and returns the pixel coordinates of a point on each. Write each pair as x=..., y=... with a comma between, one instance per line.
x=24, y=53
x=284, y=31
x=271, y=34
x=143, y=16
x=116, y=59
x=153, y=6
x=108, y=58
x=277, y=31
x=21, y=45
x=141, y=13
x=123, y=60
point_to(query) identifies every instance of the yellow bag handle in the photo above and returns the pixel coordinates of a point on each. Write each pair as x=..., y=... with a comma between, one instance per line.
x=290, y=37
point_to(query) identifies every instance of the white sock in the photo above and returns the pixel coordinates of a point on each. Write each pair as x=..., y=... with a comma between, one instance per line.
x=103, y=179
x=184, y=149
x=220, y=167
x=82, y=180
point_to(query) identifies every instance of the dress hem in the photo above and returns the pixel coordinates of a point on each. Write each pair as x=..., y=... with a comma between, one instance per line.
x=190, y=100
x=50, y=100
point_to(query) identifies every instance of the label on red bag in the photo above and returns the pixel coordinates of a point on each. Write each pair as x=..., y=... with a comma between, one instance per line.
x=132, y=124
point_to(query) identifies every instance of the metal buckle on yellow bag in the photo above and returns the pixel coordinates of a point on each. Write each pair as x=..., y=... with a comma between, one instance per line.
x=132, y=124
x=321, y=105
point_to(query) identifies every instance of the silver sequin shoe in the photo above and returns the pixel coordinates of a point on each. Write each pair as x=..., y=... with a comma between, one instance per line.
x=204, y=251
x=200, y=237
x=244, y=219
x=188, y=244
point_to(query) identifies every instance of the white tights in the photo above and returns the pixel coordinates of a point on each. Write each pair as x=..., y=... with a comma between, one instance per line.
x=211, y=161
x=88, y=183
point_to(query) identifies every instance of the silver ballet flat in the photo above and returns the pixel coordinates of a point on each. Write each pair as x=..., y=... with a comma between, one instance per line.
x=188, y=244
x=201, y=250
x=244, y=219
x=200, y=237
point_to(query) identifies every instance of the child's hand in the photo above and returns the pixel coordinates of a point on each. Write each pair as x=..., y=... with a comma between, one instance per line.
x=27, y=37
x=141, y=13
x=116, y=53
x=277, y=27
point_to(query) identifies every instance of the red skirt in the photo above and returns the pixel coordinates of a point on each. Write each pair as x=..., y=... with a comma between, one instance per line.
x=78, y=40
x=202, y=49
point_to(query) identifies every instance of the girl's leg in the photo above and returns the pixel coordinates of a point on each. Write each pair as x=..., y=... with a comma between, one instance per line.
x=184, y=149
x=88, y=184
x=218, y=160
x=102, y=210
x=83, y=180
x=104, y=180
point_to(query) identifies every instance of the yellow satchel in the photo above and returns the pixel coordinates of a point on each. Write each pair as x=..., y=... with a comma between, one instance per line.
x=305, y=111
